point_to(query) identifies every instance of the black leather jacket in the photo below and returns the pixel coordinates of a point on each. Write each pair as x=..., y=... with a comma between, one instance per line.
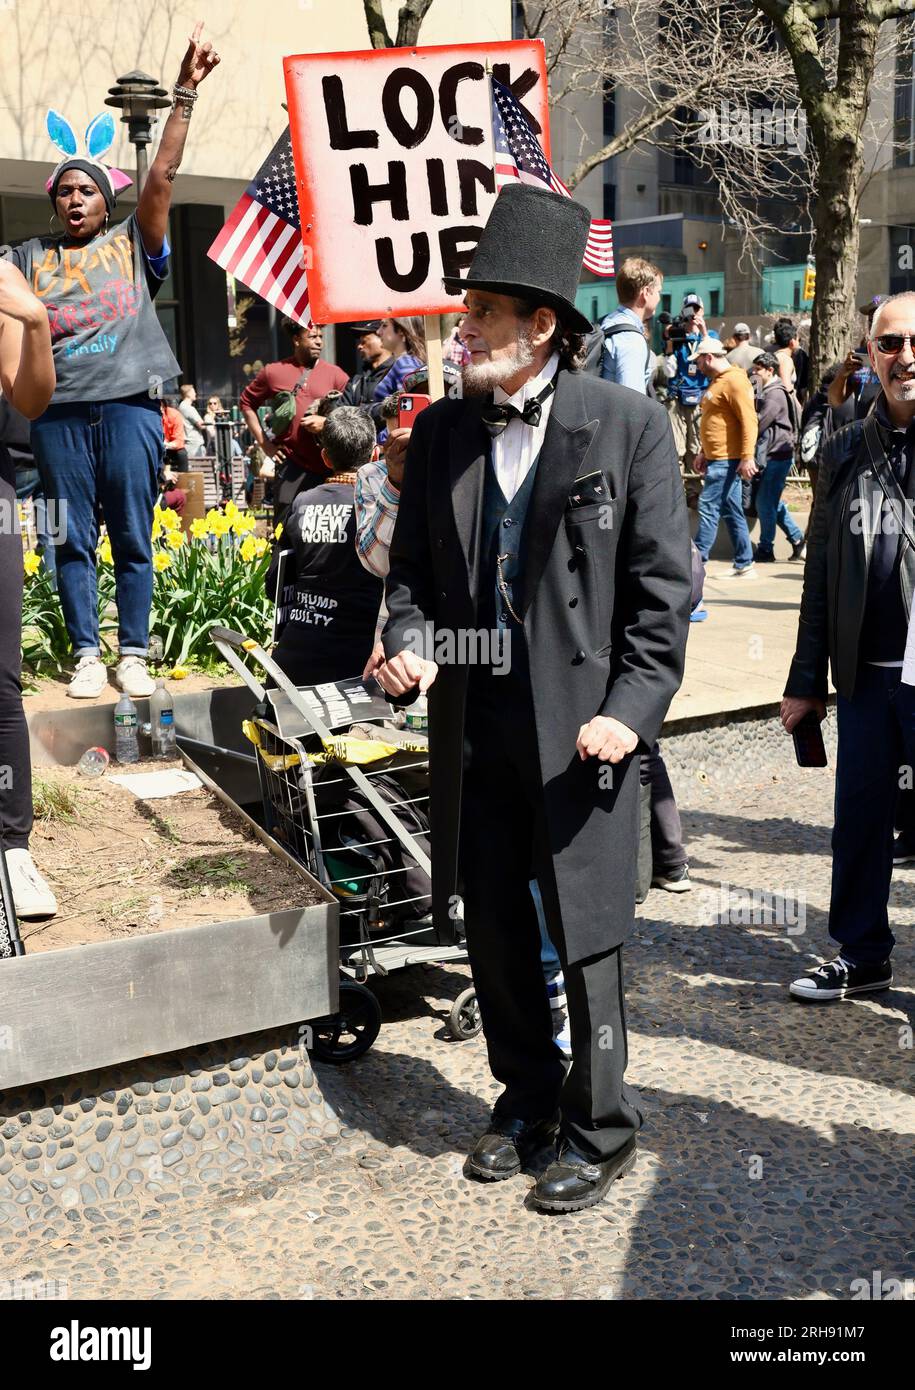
x=839, y=541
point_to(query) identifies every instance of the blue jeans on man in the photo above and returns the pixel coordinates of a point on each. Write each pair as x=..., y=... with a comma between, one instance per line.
x=101, y=459
x=29, y=484
x=876, y=730
x=719, y=499
x=770, y=506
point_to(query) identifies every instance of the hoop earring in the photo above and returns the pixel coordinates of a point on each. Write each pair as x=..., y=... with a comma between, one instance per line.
x=51, y=227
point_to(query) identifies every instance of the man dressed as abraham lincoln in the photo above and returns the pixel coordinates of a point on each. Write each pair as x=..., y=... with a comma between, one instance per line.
x=541, y=557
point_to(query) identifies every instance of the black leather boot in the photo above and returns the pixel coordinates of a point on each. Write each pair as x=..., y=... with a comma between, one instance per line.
x=574, y=1182
x=508, y=1145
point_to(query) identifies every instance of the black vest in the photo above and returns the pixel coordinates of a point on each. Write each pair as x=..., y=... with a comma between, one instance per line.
x=504, y=539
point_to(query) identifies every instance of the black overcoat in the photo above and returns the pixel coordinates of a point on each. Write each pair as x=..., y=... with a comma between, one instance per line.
x=605, y=610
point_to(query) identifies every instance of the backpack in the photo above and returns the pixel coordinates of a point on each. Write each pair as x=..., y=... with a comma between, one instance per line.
x=611, y=332
x=384, y=872
x=280, y=415
x=794, y=412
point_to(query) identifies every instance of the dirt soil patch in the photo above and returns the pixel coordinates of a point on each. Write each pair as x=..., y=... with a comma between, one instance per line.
x=120, y=866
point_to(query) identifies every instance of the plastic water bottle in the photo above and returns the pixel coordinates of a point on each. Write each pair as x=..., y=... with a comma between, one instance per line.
x=417, y=715
x=162, y=721
x=93, y=762
x=126, y=742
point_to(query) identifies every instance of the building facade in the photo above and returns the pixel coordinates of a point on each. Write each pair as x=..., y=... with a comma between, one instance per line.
x=65, y=54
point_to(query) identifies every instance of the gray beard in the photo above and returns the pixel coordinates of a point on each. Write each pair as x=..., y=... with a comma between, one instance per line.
x=478, y=379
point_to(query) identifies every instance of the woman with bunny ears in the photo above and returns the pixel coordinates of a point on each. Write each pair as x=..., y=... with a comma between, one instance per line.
x=99, y=443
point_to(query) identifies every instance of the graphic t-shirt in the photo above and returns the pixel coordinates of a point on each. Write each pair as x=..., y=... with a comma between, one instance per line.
x=333, y=601
x=107, y=341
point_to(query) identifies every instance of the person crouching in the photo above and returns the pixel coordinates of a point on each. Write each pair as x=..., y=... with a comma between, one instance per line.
x=333, y=601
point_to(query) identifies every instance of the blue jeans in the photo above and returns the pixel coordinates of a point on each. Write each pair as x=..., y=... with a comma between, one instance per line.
x=28, y=484
x=101, y=459
x=549, y=956
x=721, y=497
x=876, y=739
x=770, y=508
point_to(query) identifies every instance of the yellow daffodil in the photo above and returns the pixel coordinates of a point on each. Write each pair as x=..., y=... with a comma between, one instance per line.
x=243, y=523
x=278, y=531
x=260, y=546
x=104, y=551
x=171, y=520
x=175, y=539
x=248, y=548
x=231, y=510
x=220, y=526
x=156, y=528
x=161, y=560
x=32, y=562
x=199, y=529
x=178, y=673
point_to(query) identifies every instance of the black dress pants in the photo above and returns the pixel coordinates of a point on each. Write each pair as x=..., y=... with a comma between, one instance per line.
x=503, y=845
x=15, y=754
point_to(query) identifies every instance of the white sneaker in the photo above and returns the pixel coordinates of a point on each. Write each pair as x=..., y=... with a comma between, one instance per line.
x=745, y=571
x=133, y=678
x=32, y=896
x=89, y=679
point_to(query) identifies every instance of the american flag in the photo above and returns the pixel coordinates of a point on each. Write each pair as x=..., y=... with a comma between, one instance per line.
x=519, y=157
x=261, y=244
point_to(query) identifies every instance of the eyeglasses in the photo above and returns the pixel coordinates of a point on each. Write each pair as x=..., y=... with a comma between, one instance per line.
x=891, y=343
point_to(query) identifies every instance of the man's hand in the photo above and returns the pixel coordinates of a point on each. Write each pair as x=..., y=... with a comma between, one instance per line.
x=395, y=453
x=747, y=469
x=794, y=708
x=606, y=739
x=374, y=661
x=850, y=364
x=699, y=324
x=314, y=424
x=700, y=463
x=404, y=672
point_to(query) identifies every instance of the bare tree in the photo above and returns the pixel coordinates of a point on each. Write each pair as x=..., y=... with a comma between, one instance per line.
x=833, y=45
x=409, y=22
x=708, y=80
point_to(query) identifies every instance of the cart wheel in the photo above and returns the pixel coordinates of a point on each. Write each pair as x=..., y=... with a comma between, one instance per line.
x=346, y=1035
x=464, y=1019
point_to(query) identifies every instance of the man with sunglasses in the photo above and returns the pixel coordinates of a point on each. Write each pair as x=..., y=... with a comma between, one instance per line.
x=858, y=584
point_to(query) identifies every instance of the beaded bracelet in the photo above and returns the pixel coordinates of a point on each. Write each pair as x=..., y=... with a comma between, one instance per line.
x=184, y=94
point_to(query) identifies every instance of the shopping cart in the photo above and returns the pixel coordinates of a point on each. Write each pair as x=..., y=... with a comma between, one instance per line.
x=345, y=793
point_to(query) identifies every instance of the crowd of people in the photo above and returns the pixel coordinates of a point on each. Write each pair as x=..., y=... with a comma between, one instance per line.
x=549, y=471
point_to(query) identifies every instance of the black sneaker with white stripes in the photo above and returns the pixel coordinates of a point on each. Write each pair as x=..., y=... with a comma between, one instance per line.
x=840, y=979
x=903, y=851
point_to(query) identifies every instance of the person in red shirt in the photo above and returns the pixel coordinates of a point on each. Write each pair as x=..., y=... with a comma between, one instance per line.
x=296, y=458
x=175, y=458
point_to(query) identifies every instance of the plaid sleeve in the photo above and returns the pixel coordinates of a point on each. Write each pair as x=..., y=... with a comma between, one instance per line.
x=376, y=512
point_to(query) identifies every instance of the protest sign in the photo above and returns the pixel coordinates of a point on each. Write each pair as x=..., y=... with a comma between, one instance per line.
x=394, y=168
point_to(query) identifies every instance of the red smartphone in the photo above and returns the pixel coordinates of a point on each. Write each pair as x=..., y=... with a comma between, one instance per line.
x=809, y=748
x=409, y=408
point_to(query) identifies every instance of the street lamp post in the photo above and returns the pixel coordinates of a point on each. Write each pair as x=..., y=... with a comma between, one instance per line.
x=138, y=95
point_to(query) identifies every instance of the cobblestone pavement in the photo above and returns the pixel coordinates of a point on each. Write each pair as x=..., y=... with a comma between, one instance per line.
x=776, y=1158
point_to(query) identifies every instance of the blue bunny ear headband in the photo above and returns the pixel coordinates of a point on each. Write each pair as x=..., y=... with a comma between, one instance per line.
x=99, y=138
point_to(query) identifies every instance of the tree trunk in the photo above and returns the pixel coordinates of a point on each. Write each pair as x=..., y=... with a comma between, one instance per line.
x=410, y=18
x=835, y=117
x=837, y=236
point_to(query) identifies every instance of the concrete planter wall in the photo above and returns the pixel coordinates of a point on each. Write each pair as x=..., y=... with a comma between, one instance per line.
x=86, y=1007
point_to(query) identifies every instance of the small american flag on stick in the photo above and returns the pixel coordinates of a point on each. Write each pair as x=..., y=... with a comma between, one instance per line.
x=519, y=157
x=261, y=245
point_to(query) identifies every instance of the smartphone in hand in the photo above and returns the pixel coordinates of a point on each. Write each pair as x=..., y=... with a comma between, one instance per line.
x=408, y=409
x=809, y=748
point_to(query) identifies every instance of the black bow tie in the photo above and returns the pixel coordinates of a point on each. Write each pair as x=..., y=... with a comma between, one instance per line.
x=496, y=417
